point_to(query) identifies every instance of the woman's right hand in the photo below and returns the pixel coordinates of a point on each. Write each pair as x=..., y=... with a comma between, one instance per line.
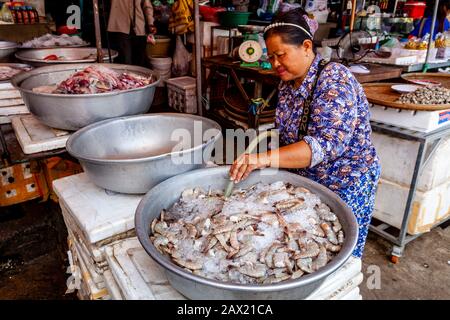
x=246, y=163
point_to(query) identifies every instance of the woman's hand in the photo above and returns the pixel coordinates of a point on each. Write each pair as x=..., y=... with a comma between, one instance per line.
x=246, y=163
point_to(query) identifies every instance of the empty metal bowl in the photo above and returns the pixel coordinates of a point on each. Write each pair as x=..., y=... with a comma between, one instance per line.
x=165, y=194
x=75, y=111
x=133, y=154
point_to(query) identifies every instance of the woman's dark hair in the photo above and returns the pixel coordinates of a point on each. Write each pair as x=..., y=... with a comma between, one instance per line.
x=290, y=34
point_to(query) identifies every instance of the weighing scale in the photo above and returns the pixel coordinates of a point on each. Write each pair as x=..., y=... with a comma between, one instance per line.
x=250, y=51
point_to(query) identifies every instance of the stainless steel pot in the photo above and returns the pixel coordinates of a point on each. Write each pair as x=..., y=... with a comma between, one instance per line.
x=74, y=111
x=133, y=154
x=192, y=286
x=35, y=57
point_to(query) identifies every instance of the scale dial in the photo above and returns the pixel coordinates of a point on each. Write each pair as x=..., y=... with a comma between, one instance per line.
x=250, y=51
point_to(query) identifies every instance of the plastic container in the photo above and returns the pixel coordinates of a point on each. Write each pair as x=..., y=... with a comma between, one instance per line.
x=321, y=16
x=31, y=15
x=210, y=13
x=6, y=13
x=428, y=209
x=233, y=18
x=414, y=9
x=25, y=15
x=423, y=121
x=182, y=95
x=36, y=15
x=20, y=15
x=163, y=66
x=14, y=14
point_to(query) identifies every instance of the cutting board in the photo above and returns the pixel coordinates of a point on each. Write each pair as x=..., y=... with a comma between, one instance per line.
x=34, y=136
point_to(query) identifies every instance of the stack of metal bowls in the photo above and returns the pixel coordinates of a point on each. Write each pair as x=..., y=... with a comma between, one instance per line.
x=165, y=194
x=75, y=111
x=133, y=154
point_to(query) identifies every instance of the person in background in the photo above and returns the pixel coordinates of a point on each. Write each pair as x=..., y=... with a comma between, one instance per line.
x=423, y=26
x=130, y=22
x=322, y=118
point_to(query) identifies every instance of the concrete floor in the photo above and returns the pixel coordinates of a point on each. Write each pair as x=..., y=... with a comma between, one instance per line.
x=33, y=247
x=33, y=259
x=422, y=273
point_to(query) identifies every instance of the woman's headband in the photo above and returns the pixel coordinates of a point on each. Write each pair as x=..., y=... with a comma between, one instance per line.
x=281, y=24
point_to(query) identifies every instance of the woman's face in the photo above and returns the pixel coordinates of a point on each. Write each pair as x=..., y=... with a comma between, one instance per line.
x=291, y=62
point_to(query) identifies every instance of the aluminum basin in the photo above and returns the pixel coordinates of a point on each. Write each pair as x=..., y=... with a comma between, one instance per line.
x=35, y=57
x=7, y=48
x=165, y=194
x=75, y=111
x=133, y=154
x=20, y=66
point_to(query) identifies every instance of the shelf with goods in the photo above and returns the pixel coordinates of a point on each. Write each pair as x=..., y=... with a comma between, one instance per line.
x=20, y=21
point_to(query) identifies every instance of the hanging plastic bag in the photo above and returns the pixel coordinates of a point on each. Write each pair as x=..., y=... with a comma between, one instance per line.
x=181, y=59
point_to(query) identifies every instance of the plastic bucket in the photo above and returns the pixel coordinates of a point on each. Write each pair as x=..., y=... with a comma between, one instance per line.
x=414, y=10
x=161, y=48
x=163, y=66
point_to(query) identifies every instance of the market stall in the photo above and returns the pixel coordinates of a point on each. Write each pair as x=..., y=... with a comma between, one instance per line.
x=408, y=124
x=402, y=40
x=150, y=216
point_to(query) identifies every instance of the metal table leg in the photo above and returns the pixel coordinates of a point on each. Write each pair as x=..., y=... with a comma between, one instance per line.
x=398, y=251
x=428, y=144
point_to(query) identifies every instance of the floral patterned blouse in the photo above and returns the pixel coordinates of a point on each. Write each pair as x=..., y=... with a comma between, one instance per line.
x=339, y=128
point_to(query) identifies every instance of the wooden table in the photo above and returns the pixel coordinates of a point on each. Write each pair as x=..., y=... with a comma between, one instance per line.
x=378, y=73
x=233, y=68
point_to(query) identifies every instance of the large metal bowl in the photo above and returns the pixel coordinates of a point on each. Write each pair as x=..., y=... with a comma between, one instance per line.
x=192, y=286
x=133, y=154
x=20, y=66
x=7, y=48
x=74, y=111
x=35, y=57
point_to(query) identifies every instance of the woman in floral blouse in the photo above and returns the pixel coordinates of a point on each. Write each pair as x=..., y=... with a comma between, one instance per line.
x=335, y=149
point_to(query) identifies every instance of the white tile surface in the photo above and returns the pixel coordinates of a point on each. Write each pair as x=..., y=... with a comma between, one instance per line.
x=97, y=213
x=34, y=136
x=8, y=110
x=91, y=289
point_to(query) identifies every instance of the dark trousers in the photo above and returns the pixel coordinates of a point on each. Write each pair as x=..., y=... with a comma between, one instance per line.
x=131, y=48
